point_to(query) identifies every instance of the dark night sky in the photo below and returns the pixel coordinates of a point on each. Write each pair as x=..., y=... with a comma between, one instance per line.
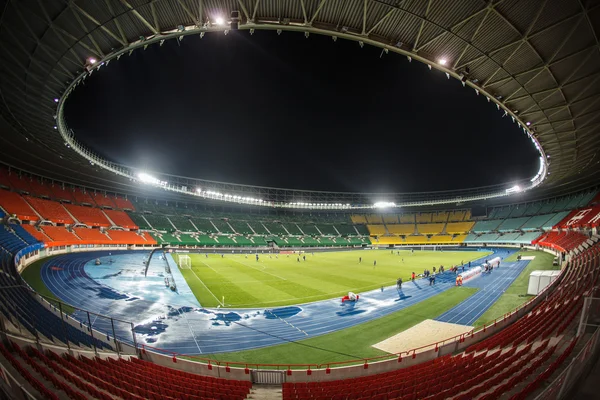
x=292, y=112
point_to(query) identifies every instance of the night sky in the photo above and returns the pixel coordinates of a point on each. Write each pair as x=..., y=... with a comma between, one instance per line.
x=286, y=111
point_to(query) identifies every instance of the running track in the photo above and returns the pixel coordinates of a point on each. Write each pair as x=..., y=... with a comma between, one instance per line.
x=189, y=329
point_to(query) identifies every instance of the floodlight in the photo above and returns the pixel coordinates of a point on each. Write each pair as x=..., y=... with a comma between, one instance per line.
x=219, y=21
x=527, y=123
x=514, y=189
x=55, y=127
x=55, y=100
x=383, y=204
x=198, y=190
x=92, y=60
x=442, y=61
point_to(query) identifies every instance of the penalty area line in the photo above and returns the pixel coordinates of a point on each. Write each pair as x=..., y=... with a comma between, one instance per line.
x=203, y=284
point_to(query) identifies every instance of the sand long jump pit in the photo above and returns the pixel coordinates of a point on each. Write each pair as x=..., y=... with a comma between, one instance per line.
x=422, y=334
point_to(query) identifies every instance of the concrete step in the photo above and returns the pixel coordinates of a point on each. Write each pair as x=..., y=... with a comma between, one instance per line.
x=265, y=392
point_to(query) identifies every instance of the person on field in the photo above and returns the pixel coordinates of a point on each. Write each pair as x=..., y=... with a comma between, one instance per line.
x=413, y=276
x=399, y=283
x=374, y=263
x=359, y=260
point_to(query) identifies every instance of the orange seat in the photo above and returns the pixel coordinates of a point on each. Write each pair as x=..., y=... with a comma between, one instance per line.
x=50, y=210
x=120, y=218
x=88, y=215
x=14, y=204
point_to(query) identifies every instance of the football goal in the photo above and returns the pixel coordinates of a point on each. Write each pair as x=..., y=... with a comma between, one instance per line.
x=185, y=262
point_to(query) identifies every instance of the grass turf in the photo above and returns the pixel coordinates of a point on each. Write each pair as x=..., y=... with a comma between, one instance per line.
x=516, y=294
x=283, y=280
x=32, y=275
x=352, y=343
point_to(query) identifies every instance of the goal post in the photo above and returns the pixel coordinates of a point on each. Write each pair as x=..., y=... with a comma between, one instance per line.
x=185, y=262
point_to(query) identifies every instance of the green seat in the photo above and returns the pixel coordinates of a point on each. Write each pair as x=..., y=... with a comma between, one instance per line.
x=204, y=225
x=222, y=226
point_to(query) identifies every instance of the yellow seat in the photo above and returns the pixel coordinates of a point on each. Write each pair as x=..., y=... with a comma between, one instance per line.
x=417, y=239
x=441, y=216
x=376, y=230
x=390, y=240
x=407, y=218
x=440, y=239
x=401, y=229
x=358, y=219
x=429, y=229
x=459, y=227
x=423, y=218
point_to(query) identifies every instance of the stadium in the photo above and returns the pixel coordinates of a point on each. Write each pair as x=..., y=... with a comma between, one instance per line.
x=133, y=282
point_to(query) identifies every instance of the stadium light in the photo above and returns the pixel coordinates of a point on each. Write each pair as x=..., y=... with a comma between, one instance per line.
x=219, y=21
x=146, y=178
x=514, y=189
x=527, y=123
x=383, y=204
x=92, y=60
x=442, y=61
x=56, y=100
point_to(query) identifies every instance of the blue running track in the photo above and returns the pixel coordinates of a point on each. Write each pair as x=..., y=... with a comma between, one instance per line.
x=176, y=322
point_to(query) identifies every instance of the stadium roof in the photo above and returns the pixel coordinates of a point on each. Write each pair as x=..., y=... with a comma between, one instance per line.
x=537, y=59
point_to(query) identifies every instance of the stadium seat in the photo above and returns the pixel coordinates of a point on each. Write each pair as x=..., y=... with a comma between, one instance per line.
x=459, y=227
x=62, y=193
x=376, y=230
x=83, y=197
x=50, y=210
x=88, y=215
x=429, y=229
x=91, y=236
x=40, y=188
x=14, y=204
x=401, y=229
x=37, y=234
x=120, y=218
x=123, y=203
x=102, y=200
x=59, y=234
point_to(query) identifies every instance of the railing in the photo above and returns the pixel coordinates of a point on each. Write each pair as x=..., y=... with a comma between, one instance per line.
x=436, y=349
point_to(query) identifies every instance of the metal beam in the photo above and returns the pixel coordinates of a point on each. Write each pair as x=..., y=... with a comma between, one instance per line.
x=321, y=4
x=415, y=49
x=97, y=23
x=139, y=16
x=189, y=13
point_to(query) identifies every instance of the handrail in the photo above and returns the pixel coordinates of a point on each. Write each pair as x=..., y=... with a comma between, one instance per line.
x=365, y=360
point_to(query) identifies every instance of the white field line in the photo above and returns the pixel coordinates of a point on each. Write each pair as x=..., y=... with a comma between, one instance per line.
x=203, y=284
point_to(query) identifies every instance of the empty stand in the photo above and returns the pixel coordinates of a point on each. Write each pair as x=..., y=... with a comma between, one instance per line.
x=123, y=203
x=83, y=197
x=428, y=229
x=459, y=227
x=401, y=229
x=102, y=200
x=91, y=236
x=59, y=234
x=50, y=210
x=14, y=204
x=36, y=233
x=62, y=193
x=376, y=230
x=40, y=188
x=120, y=218
x=88, y=215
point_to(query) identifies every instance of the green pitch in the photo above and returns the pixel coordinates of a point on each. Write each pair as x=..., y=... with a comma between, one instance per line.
x=283, y=280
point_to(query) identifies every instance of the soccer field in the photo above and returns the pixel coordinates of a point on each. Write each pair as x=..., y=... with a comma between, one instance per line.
x=283, y=280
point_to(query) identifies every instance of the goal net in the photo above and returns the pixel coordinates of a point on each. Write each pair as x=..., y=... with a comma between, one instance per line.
x=185, y=262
